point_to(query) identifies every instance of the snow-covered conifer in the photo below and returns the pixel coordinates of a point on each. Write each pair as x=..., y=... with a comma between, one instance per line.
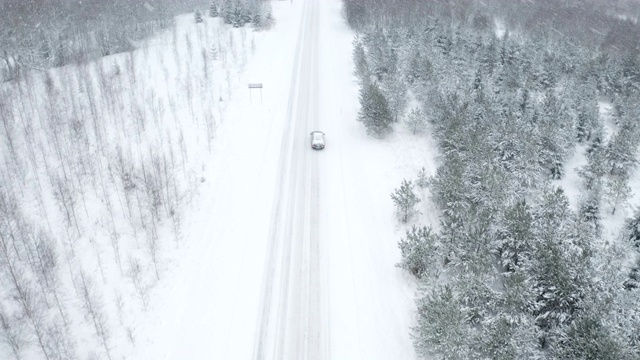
x=405, y=200
x=257, y=21
x=632, y=229
x=622, y=150
x=416, y=121
x=617, y=190
x=198, y=17
x=589, y=207
x=227, y=8
x=442, y=329
x=423, y=179
x=588, y=338
x=560, y=266
x=213, y=10
x=374, y=111
x=377, y=52
x=515, y=236
x=419, y=251
x=360, y=61
x=596, y=165
x=395, y=90
x=588, y=121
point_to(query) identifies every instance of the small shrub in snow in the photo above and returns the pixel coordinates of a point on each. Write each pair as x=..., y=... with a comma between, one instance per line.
x=374, y=112
x=423, y=178
x=416, y=121
x=198, y=17
x=257, y=21
x=418, y=250
x=405, y=200
x=213, y=10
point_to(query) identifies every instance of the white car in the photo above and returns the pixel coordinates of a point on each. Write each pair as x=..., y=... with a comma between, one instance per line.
x=317, y=140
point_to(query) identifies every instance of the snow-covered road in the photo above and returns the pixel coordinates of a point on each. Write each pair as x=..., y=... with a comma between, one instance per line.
x=291, y=253
x=291, y=325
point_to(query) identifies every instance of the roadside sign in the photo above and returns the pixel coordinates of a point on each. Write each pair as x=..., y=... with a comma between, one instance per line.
x=255, y=86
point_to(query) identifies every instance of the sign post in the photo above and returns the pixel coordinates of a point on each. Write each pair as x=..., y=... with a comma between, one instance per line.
x=255, y=86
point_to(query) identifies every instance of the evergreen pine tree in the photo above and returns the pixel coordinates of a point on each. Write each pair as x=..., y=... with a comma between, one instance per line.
x=395, y=91
x=213, y=10
x=589, y=208
x=238, y=17
x=587, y=338
x=257, y=21
x=632, y=229
x=360, y=60
x=477, y=81
x=416, y=121
x=548, y=78
x=618, y=111
x=227, y=9
x=247, y=14
x=515, y=236
x=559, y=267
x=554, y=136
x=617, y=190
x=588, y=121
x=374, y=111
x=595, y=168
x=377, y=47
x=198, y=17
x=419, y=69
x=622, y=150
x=423, y=178
x=418, y=250
x=442, y=330
x=508, y=337
x=405, y=200
x=443, y=41
x=633, y=282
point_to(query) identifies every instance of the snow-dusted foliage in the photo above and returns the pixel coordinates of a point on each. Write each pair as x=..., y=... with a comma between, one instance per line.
x=405, y=200
x=213, y=10
x=241, y=12
x=197, y=17
x=513, y=270
x=375, y=113
x=419, y=250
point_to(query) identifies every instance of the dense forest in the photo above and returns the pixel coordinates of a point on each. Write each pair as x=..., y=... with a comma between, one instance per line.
x=511, y=92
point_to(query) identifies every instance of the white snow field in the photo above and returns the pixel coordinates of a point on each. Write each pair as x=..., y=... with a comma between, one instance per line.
x=291, y=252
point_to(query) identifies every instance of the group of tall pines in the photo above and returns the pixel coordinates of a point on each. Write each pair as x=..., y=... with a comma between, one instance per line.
x=515, y=268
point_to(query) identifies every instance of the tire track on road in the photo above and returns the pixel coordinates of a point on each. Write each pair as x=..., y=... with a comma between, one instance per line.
x=289, y=324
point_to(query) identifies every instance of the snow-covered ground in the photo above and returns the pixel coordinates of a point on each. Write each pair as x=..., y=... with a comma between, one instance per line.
x=291, y=252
